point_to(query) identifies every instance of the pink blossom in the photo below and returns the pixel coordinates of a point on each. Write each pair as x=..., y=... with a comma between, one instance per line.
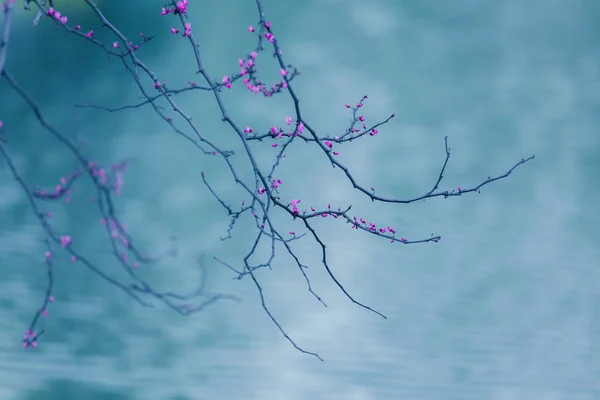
x=182, y=6
x=250, y=28
x=65, y=240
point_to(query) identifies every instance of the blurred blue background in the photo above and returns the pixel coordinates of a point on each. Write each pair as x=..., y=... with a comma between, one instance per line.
x=505, y=306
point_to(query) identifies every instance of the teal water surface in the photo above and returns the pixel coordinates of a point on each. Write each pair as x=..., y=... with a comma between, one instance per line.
x=505, y=306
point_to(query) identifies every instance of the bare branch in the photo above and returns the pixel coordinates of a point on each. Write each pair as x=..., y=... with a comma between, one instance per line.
x=263, y=192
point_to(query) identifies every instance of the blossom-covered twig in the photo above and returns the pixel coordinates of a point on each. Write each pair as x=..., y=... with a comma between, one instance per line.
x=263, y=192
